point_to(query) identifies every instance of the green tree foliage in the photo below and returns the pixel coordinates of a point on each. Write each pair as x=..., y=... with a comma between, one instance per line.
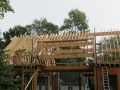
x=2, y=44
x=5, y=7
x=8, y=78
x=76, y=22
x=42, y=26
x=14, y=32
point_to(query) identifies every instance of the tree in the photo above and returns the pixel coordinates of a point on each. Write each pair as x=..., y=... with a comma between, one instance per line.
x=76, y=22
x=5, y=7
x=14, y=32
x=2, y=44
x=42, y=26
x=8, y=78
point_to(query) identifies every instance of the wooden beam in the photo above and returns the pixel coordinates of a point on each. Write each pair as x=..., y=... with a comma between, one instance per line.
x=29, y=81
x=61, y=44
x=53, y=82
x=65, y=56
x=72, y=51
x=67, y=40
x=77, y=37
x=95, y=81
x=67, y=68
x=111, y=51
x=106, y=33
x=22, y=80
x=35, y=80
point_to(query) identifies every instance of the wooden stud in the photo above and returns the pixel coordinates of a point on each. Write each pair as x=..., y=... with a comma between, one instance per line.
x=22, y=88
x=95, y=81
x=35, y=80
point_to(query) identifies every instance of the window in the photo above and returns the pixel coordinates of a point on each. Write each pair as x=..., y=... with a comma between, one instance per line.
x=70, y=88
x=40, y=87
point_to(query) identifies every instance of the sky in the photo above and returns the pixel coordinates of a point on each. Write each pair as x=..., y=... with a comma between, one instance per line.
x=101, y=14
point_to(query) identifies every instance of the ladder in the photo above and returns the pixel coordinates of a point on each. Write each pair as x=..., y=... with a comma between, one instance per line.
x=105, y=78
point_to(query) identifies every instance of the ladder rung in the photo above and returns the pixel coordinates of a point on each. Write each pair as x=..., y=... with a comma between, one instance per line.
x=106, y=79
x=106, y=83
x=105, y=75
x=104, y=70
x=106, y=86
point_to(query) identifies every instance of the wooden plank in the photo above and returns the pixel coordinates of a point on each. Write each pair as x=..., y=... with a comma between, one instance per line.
x=53, y=82
x=65, y=56
x=95, y=84
x=102, y=33
x=69, y=40
x=83, y=35
x=73, y=51
x=22, y=82
x=66, y=68
x=65, y=44
x=19, y=43
x=35, y=80
x=9, y=46
x=118, y=78
x=25, y=42
x=111, y=51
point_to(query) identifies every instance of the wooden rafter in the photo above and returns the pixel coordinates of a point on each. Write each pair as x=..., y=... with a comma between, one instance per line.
x=44, y=44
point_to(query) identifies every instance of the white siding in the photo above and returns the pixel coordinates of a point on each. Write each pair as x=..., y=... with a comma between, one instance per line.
x=63, y=87
x=43, y=87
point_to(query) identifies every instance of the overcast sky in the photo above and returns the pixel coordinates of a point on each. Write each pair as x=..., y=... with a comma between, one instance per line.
x=101, y=14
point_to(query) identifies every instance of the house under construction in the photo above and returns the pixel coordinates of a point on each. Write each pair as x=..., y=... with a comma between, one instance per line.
x=39, y=56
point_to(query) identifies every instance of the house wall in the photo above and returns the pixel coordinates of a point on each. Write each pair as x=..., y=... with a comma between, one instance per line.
x=68, y=86
x=63, y=87
x=42, y=87
x=71, y=87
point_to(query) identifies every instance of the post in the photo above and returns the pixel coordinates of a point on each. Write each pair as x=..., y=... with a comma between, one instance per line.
x=31, y=60
x=95, y=58
x=46, y=88
x=22, y=88
x=48, y=82
x=35, y=80
x=79, y=82
x=53, y=81
x=95, y=84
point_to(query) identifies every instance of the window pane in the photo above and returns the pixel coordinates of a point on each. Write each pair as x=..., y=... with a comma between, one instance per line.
x=68, y=87
x=71, y=88
x=40, y=88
